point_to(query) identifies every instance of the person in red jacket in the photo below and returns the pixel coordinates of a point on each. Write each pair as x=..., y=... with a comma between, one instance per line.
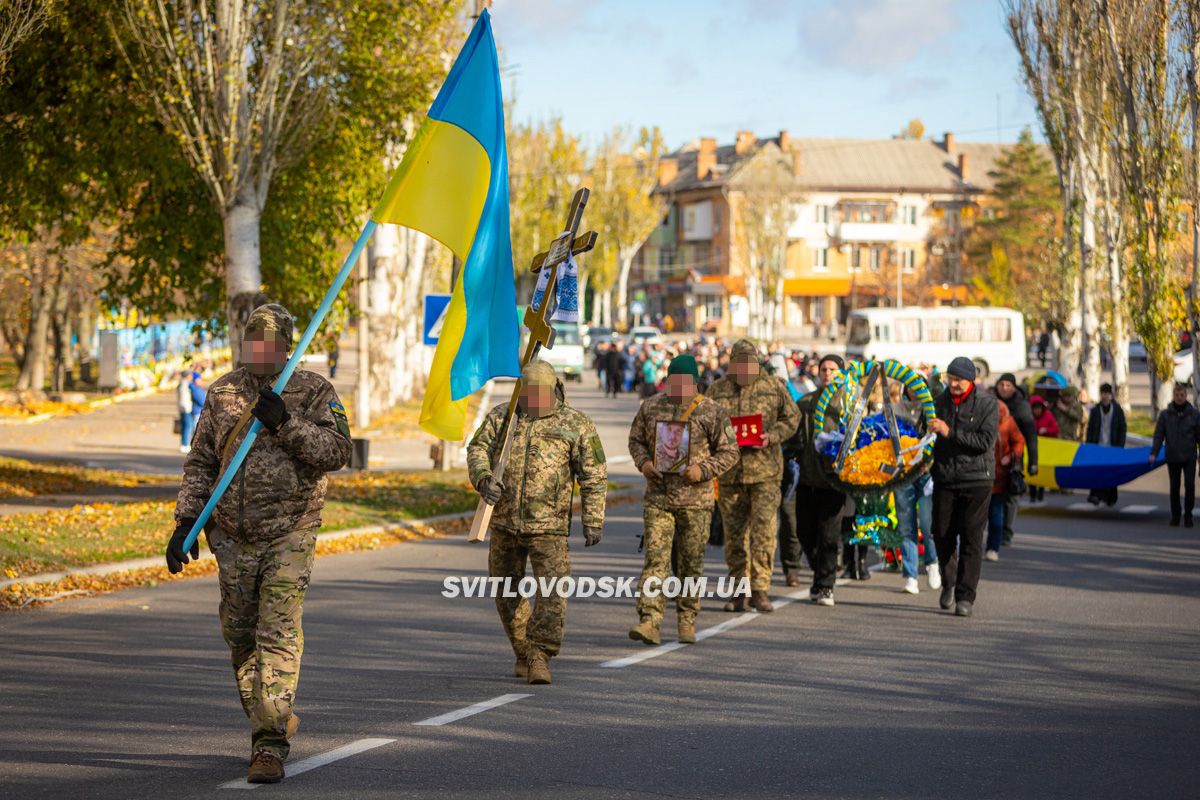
x=1010, y=449
x=1047, y=426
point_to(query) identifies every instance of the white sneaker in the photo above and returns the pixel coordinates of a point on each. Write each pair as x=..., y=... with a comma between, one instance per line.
x=910, y=586
x=992, y=555
x=185, y=448
x=935, y=577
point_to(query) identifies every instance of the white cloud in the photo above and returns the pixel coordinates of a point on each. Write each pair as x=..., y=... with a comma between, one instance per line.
x=873, y=35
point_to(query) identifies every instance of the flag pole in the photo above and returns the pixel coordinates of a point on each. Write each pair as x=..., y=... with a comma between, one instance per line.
x=311, y=331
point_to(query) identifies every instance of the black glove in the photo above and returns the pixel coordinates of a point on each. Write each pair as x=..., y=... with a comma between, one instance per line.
x=176, y=558
x=270, y=409
x=490, y=489
x=1032, y=469
x=591, y=536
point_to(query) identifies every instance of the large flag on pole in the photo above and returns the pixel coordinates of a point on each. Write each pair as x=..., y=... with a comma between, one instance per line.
x=453, y=185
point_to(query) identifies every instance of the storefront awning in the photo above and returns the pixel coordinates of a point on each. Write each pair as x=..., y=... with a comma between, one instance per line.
x=816, y=287
x=717, y=285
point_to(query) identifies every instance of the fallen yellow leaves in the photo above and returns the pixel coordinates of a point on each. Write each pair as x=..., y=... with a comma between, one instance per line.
x=19, y=478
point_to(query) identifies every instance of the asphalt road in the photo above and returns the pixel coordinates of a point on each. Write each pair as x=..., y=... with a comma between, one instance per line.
x=1075, y=678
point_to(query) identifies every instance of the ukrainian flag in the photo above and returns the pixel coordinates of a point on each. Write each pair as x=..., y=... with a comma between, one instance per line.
x=453, y=185
x=1063, y=464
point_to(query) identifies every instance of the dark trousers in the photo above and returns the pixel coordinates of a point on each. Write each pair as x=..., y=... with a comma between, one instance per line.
x=612, y=384
x=819, y=528
x=790, y=551
x=959, y=519
x=1187, y=471
x=1011, y=506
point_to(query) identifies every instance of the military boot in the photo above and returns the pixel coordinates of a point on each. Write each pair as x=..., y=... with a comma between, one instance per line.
x=265, y=768
x=687, y=631
x=761, y=601
x=521, y=668
x=738, y=604
x=293, y=725
x=645, y=631
x=539, y=668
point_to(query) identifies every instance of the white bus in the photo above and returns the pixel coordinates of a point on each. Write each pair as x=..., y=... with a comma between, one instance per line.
x=994, y=338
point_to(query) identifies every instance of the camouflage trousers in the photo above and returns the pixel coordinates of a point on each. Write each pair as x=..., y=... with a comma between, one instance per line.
x=262, y=599
x=749, y=513
x=542, y=626
x=674, y=542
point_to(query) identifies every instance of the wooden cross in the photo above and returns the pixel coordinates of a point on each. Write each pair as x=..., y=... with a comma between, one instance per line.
x=541, y=333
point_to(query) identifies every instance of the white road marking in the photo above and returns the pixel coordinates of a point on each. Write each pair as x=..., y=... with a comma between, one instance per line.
x=1135, y=509
x=320, y=760
x=1082, y=507
x=671, y=647
x=454, y=716
x=620, y=459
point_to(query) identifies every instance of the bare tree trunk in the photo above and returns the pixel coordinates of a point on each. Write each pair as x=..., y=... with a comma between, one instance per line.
x=1193, y=85
x=626, y=266
x=61, y=329
x=243, y=266
x=33, y=369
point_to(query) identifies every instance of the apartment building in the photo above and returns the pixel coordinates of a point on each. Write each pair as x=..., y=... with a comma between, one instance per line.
x=874, y=222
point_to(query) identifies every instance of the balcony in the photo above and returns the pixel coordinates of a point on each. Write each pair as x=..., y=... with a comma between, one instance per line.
x=877, y=232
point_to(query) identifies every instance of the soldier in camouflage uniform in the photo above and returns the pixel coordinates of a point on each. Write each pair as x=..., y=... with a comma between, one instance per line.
x=263, y=531
x=749, y=493
x=553, y=446
x=677, y=508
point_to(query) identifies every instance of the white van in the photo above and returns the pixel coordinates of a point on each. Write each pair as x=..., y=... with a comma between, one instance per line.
x=994, y=338
x=567, y=355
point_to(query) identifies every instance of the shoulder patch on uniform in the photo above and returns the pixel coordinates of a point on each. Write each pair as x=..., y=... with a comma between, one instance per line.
x=339, y=417
x=597, y=448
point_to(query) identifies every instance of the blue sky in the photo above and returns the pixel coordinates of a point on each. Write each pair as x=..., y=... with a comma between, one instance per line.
x=858, y=68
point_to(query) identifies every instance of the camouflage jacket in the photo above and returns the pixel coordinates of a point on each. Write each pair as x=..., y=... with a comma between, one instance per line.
x=1071, y=424
x=712, y=447
x=547, y=456
x=281, y=485
x=766, y=395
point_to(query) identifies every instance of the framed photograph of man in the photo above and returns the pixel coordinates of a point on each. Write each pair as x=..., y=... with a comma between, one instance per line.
x=671, y=443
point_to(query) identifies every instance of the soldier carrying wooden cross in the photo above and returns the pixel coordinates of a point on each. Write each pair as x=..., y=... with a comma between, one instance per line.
x=525, y=460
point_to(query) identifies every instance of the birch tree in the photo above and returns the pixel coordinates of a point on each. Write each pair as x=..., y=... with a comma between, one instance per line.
x=19, y=19
x=245, y=86
x=1190, y=47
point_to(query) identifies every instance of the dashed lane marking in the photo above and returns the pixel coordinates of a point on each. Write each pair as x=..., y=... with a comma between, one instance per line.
x=1082, y=507
x=1135, y=509
x=707, y=633
x=300, y=767
x=454, y=716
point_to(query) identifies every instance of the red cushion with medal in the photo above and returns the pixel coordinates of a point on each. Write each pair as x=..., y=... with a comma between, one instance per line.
x=749, y=430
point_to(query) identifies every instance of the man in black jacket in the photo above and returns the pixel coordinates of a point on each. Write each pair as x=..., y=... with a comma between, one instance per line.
x=1105, y=427
x=1178, y=427
x=1015, y=398
x=964, y=467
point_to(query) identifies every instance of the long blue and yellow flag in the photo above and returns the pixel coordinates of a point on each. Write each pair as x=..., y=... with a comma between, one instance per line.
x=1063, y=464
x=453, y=185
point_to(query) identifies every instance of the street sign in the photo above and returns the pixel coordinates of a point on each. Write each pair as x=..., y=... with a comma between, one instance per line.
x=435, y=315
x=637, y=308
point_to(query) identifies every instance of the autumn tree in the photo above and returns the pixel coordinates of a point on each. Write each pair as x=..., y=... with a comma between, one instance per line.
x=1016, y=246
x=624, y=209
x=767, y=203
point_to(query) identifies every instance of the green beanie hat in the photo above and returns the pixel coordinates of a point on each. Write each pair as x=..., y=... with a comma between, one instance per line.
x=684, y=365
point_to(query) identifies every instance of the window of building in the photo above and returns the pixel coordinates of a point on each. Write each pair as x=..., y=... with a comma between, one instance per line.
x=821, y=259
x=908, y=215
x=855, y=258
x=821, y=214
x=712, y=308
x=875, y=259
x=907, y=330
x=908, y=259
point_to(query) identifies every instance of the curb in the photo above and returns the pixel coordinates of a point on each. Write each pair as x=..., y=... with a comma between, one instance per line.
x=419, y=526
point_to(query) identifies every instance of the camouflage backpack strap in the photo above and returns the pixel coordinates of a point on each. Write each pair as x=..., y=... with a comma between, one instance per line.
x=691, y=408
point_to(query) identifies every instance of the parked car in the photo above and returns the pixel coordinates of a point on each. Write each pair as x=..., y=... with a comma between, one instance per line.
x=1137, y=351
x=645, y=334
x=594, y=333
x=566, y=356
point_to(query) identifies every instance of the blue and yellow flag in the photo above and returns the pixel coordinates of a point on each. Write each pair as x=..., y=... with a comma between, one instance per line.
x=453, y=185
x=1063, y=464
